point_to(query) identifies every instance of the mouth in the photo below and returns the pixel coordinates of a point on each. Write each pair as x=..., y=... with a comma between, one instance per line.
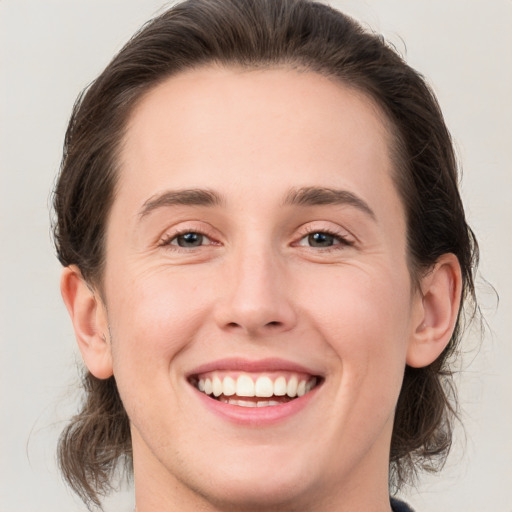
x=248, y=389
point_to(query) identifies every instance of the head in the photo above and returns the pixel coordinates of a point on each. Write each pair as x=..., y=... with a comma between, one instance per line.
x=284, y=51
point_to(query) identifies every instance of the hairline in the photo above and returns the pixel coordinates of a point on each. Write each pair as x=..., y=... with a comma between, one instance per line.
x=391, y=132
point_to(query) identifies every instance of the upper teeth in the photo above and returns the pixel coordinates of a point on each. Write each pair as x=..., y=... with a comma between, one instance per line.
x=263, y=386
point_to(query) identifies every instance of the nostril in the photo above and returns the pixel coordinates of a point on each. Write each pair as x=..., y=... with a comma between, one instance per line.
x=234, y=325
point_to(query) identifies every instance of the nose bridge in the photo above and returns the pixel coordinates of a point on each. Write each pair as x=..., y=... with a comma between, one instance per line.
x=257, y=298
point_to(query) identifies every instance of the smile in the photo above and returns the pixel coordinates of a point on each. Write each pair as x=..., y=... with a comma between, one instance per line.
x=246, y=389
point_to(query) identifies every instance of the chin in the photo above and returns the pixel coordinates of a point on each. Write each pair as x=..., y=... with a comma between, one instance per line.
x=270, y=491
x=271, y=481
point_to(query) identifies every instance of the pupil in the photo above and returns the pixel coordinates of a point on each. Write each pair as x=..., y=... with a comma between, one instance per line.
x=320, y=240
x=190, y=240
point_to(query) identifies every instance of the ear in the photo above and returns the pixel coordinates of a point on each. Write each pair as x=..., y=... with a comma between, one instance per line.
x=89, y=317
x=439, y=305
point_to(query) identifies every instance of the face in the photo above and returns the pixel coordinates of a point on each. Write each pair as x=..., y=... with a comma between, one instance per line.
x=257, y=291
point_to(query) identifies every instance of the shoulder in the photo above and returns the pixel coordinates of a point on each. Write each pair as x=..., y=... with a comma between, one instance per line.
x=400, y=506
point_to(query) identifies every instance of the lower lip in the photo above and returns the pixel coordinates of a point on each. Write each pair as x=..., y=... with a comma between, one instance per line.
x=257, y=416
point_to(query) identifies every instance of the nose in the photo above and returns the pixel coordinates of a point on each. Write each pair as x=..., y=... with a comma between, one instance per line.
x=257, y=298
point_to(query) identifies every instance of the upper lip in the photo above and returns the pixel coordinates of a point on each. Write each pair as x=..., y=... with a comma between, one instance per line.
x=252, y=366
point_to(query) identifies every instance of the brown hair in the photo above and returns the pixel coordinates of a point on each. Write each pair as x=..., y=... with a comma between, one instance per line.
x=263, y=33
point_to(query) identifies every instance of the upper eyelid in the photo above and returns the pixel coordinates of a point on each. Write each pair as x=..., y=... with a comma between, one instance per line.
x=326, y=232
x=331, y=231
x=305, y=229
x=342, y=240
x=174, y=237
x=170, y=234
x=320, y=227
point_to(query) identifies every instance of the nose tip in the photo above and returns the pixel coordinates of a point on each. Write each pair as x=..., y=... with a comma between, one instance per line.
x=257, y=312
x=256, y=301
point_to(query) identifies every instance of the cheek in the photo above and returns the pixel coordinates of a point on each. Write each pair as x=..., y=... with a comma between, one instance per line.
x=153, y=319
x=365, y=318
x=363, y=301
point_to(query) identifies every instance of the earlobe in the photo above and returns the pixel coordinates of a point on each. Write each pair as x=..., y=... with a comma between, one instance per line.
x=90, y=323
x=440, y=301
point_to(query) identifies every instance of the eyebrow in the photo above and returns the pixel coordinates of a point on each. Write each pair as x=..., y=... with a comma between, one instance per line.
x=305, y=196
x=317, y=196
x=186, y=197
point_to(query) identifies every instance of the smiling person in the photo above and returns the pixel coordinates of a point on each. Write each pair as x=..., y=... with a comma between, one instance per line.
x=265, y=262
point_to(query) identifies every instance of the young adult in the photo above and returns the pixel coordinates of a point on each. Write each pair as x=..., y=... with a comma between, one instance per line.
x=265, y=261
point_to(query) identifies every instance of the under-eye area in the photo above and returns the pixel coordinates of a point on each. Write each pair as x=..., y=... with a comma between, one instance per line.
x=255, y=390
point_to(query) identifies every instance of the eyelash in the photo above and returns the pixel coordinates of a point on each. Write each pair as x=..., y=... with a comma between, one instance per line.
x=168, y=239
x=341, y=240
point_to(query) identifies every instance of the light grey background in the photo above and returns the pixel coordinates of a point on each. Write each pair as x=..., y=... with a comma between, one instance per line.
x=51, y=49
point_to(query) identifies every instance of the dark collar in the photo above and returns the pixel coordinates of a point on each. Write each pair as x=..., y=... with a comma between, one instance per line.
x=400, y=506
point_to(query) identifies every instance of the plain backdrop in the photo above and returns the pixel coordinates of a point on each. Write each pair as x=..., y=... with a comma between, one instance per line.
x=51, y=49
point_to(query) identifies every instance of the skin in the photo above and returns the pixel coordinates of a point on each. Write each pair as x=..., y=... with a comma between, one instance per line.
x=257, y=289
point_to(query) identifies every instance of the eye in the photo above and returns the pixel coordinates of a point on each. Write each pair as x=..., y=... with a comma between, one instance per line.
x=190, y=239
x=322, y=240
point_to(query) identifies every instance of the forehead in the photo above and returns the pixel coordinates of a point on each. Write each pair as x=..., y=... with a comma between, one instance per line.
x=221, y=127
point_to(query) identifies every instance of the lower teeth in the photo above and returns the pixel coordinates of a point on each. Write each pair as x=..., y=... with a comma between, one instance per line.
x=249, y=403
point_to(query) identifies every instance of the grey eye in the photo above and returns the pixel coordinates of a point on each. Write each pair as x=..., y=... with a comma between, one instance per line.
x=190, y=239
x=321, y=239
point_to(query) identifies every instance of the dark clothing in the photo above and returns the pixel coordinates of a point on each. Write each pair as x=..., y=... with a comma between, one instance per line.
x=400, y=506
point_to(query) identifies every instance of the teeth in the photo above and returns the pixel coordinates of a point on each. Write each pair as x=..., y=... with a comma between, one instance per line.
x=264, y=387
x=261, y=387
x=280, y=386
x=301, y=388
x=244, y=386
x=217, y=386
x=245, y=403
x=229, y=386
x=248, y=403
x=291, y=388
x=208, y=387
